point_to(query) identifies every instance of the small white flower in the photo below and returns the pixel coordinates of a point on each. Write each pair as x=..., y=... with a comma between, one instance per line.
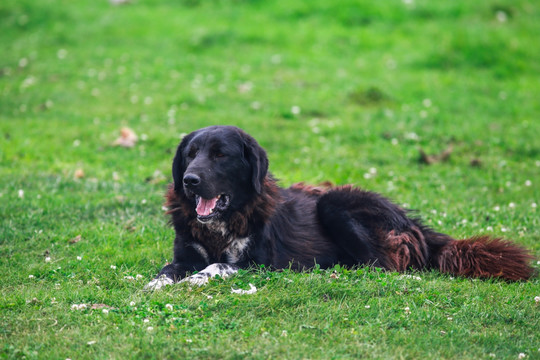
x=497, y=208
x=30, y=276
x=132, y=303
x=284, y=333
x=512, y=205
x=113, y=267
x=407, y=310
x=61, y=54
x=528, y=183
x=169, y=307
x=501, y=16
x=209, y=297
x=129, y=278
x=296, y=110
x=367, y=307
x=522, y=356
x=189, y=340
x=139, y=276
x=47, y=259
x=105, y=311
x=537, y=299
x=427, y=102
x=533, y=205
x=150, y=328
x=146, y=320
x=20, y=193
x=91, y=342
x=143, y=201
x=449, y=318
x=79, y=258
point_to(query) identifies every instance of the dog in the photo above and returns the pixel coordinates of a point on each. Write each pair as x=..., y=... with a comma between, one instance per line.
x=229, y=213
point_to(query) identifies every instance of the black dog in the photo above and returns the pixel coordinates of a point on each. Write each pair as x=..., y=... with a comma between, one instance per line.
x=229, y=213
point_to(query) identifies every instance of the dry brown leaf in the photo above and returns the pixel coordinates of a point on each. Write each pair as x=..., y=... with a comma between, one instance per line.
x=127, y=138
x=79, y=173
x=76, y=239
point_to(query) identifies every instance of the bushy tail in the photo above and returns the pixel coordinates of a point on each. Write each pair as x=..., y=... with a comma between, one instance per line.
x=485, y=257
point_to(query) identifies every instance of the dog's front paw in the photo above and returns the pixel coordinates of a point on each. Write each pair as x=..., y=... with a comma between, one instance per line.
x=158, y=283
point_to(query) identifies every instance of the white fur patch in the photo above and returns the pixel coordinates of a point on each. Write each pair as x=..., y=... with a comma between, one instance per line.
x=236, y=249
x=202, y=277
x=158, y=283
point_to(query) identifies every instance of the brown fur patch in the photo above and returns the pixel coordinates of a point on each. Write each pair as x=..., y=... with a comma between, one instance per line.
x=312, y=189
x=406, y=250
x=485, y=257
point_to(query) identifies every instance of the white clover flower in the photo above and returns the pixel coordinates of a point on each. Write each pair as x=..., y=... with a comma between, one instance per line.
x=105, y=311
x=20, y=193
x=522, y=356
x=169, y=307
x=31, y=276
x=150, y=328
x=79, y=258
x=295, y=110
x=139, y=276
x=132, y=303
x=537, y=299
x=113, y=267
x=146, y=320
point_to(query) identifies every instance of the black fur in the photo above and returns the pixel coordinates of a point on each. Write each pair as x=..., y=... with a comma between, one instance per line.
x=256, y=222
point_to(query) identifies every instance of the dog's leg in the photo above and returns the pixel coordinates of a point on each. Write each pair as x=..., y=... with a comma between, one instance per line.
x=345, y=231
x=218, y=269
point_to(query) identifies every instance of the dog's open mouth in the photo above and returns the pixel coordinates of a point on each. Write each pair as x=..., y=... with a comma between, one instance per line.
x=208, y=208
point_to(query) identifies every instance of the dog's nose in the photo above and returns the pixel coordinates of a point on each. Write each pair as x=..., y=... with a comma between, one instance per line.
x=191, y=180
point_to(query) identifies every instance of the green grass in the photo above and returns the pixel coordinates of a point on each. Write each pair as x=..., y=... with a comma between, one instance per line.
x=374, y=82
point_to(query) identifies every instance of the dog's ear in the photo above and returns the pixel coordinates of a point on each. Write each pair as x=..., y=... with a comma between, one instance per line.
x=256, y=156
x=179, y=162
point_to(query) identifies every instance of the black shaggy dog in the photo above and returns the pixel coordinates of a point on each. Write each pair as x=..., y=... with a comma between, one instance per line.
x=229, y=213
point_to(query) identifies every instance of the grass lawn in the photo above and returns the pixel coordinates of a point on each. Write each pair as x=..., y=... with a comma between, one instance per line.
x=346, y=91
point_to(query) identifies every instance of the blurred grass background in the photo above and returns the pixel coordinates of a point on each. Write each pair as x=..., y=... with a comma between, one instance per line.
x=345, y=91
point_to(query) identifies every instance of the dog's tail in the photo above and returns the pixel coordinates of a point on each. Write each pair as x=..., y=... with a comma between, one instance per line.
x=484, y=257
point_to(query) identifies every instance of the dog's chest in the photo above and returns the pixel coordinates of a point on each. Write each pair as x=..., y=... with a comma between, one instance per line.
x=216, y=244
x=236, y=250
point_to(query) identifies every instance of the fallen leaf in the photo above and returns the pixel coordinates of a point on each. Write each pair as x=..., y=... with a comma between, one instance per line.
x=127, y=138
x=76, y=239
x=432, y=159
x=79, y=174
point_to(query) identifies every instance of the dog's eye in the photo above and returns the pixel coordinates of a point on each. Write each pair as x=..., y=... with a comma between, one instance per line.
x=220, y=155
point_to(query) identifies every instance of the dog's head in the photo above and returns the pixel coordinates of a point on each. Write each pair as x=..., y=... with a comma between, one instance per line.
x=219, y=168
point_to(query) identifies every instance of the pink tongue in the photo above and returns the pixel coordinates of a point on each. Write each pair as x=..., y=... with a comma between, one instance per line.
x=205, y=207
